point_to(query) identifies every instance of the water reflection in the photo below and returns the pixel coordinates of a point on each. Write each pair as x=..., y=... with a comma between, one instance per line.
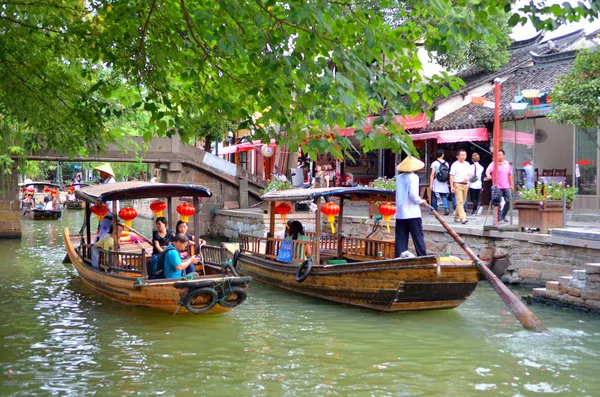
x=60, y=338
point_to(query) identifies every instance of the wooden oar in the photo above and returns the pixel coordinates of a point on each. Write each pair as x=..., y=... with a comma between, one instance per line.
x=527, y=319
x=138, y=233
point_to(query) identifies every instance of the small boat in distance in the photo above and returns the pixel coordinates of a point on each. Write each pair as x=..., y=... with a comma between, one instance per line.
x=352, y=270
x=45, y=205
x=71, y=201
x=122, y=274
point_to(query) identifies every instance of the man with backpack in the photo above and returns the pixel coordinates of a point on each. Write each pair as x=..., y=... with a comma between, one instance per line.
x=170, y=264
x=438, y=181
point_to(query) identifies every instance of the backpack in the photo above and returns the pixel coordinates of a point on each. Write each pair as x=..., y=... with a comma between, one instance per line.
x=443, y=172
x=156, y=265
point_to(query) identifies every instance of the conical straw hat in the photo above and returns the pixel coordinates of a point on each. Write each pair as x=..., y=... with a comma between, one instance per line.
x=106, y=168
x=410, y=164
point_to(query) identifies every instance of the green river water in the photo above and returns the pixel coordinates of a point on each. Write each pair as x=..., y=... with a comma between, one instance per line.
x=59, y=338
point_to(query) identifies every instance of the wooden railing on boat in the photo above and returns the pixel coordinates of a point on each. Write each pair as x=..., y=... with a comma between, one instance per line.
x=133, y=263
x=356, y=248
x=267, y=247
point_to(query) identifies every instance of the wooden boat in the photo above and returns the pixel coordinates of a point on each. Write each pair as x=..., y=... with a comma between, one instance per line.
x=38, y=213
x=122, y=274
x=370, y=275
x=75, y=204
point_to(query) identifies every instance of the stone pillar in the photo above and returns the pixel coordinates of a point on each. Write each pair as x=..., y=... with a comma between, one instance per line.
x=243, y=191
x=10, y=217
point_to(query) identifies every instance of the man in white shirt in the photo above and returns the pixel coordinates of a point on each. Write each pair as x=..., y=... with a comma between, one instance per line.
x=460, y=173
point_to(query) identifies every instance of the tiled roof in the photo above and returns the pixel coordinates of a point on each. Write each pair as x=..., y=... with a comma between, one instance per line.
x=542, y=76
x=520, y=56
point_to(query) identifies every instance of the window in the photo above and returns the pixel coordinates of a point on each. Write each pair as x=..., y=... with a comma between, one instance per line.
x=586, y=158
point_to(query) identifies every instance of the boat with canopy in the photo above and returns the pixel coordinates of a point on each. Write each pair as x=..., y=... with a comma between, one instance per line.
x=44, y=205
x=353, y=270
x=123, y=274
x=71, y=201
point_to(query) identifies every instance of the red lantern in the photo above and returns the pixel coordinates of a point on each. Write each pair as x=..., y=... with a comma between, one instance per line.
x=100, y=210
x=55, y=193
x=283, y=209
x=46, y=190
x=30, y=190
x=387, y=210
x=71, y=189
x=158, y=207
x=186, y=210
x=331, y=209
x=128, y=214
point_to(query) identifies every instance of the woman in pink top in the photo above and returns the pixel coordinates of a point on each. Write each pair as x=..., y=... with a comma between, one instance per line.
x=504, y=182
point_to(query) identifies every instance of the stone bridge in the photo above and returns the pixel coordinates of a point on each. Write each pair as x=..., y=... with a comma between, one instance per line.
x=178, y=162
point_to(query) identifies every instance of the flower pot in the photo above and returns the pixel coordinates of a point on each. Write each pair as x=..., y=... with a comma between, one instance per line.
x=542, y=215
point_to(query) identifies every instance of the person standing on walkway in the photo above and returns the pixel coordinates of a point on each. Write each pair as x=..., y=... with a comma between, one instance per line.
x=408, y=210
x=438, y=181
x=504, y=181
x=460, y=174
x=475, y=184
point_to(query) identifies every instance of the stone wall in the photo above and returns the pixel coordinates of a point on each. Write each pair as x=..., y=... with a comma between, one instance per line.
x=10, y=217
x=525, y=258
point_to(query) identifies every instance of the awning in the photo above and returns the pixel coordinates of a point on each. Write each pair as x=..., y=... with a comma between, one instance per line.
x=409, y=123
x=521, y=138
x=243, y=147
x=452, y=136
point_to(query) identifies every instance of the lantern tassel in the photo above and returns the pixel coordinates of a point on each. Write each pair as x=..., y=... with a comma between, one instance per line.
x=158, y=214
x=185, y=218
x=128, y=223
x=331, y=220
x=386, y=219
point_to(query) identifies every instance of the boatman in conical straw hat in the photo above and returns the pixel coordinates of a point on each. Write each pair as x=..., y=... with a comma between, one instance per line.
x=106, y=173
x=408, y=210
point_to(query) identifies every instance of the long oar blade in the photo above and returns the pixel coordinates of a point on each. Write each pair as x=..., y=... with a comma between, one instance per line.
x=527, y=319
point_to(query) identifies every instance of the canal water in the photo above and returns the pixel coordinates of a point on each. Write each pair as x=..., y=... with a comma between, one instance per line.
x=59, y=338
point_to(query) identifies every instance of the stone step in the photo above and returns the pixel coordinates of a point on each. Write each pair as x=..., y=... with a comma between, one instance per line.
x=539, y=292
x=577, y=234
x=579, y=274
x=565, y=280
x=552, y=285
x=592, y=268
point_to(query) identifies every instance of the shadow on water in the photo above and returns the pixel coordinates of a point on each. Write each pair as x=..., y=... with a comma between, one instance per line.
x=60, y=338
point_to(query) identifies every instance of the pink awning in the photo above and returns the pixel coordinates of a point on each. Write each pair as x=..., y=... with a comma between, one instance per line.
x=521, y=138
x=409, y=123
x=243, y=147
x=452, y=136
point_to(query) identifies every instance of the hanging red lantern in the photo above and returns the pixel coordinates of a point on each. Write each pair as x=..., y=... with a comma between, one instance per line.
x=30, y=190
x=158, y=207
x=387, y=210
x=186, y=210
x=71, y=189
x=46, y=190
x=24, y=190
x=331, y=209
x=100, y=210
x=283, y=209
x=55, y=193
x=128, y=214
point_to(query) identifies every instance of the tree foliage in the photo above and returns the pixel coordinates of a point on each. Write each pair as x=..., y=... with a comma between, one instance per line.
x=72, y=70
x=576, y=97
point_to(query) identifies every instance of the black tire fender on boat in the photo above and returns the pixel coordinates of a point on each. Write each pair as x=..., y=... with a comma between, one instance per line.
x=304, y=270
x=241, y=293
x=189, y=298
x=234, y=260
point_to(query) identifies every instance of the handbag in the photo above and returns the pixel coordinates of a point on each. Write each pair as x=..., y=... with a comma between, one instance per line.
x=474, y=178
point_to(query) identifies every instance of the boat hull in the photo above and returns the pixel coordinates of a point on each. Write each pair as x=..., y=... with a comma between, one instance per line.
x=388, y=285
x=162, y=295
x=75, y=205
x=42, y=215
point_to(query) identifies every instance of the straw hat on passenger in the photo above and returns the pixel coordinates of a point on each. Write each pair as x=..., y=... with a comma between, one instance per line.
x=105, y=168
x=410, y=164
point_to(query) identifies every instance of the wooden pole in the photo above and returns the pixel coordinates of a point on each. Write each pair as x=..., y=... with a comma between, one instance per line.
x=196, y=227
x=270, y=248
x=496, y=141
x=169, y=213
x=115, y=224
x=340, y=226
x=527, y=319
x=317, y=253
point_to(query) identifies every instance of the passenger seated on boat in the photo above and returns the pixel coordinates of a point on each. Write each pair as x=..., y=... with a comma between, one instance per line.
x=107, y=242
x=174, y=266
x=48, y=204
x=161, y=236
x=296, y=232
x=182, y=227
x=71, y=197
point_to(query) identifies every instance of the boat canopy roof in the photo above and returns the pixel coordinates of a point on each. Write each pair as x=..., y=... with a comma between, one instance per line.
x=139, y=190
x=348, y=193
x=39, y=184
x=79, y=184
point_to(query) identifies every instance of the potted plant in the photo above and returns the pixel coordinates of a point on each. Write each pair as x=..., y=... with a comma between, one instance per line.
x=542, y=206
x=380, y=183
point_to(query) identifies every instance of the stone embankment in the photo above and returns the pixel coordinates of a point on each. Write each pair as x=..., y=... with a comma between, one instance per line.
x=581, y=289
